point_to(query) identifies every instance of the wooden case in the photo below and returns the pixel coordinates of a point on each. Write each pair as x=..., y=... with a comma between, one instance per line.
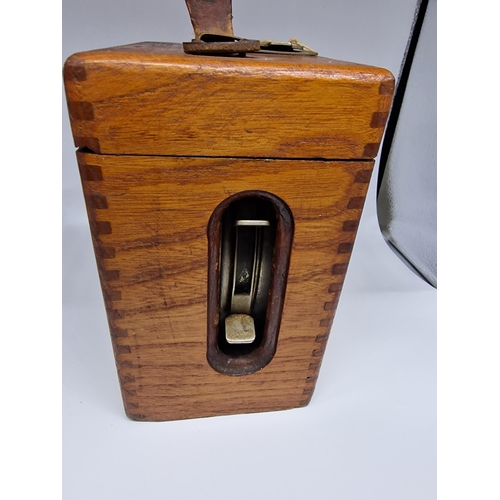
x=164, y=138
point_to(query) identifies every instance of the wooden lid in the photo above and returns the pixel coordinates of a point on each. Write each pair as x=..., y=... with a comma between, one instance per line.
x=153, y=99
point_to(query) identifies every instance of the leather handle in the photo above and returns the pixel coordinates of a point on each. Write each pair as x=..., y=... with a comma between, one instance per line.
x=211, y=17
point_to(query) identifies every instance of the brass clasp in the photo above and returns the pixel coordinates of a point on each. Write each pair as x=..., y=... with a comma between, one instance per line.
x=213, y=29
x=292, y=47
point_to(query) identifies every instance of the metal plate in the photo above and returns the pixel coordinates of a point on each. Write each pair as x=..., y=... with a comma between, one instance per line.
x=200, y=47
x=240, y=329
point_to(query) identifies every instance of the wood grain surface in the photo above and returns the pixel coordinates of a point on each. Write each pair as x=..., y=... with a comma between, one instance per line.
x=167, y=137
x=148, y=218
x=153, y=99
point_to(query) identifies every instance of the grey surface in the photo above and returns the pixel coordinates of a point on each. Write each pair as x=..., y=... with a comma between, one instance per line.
x=407, y=200
x=370, y=430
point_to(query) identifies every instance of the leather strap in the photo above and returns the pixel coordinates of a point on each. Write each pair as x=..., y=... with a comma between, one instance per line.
x=211, y=17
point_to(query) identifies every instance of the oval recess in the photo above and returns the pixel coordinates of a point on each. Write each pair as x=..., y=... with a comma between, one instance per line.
x=248, y=360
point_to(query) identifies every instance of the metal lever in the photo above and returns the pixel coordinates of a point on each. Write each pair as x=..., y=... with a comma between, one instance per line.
x=248, y=269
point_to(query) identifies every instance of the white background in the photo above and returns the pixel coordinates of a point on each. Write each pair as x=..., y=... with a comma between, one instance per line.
x=370, y=429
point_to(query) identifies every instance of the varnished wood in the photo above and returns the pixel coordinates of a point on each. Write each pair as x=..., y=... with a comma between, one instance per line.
x=150, y=237
x=153, y=99
x=167, y=138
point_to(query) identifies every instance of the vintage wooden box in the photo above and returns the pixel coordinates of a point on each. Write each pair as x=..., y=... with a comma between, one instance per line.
x=177, y=153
